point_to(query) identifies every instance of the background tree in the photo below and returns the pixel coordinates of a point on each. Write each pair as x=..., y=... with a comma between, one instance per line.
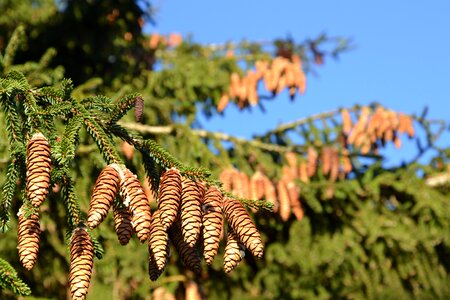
x=343, y=225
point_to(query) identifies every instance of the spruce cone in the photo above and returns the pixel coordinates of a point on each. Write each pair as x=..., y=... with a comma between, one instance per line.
x=169, y=196
x=191, y=210
x=153, y=271
x=105, y=190
x=122, y=224
x=158, y=243
x=283, y=197
x=38, y=169
x=81, y=262
x=28, y=239
x=212, y=223
x=234, y=251
x=188, y=254
x=243, y=226
x=134, y=198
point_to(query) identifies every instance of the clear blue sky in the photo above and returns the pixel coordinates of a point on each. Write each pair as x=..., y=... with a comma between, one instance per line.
x=402, y=55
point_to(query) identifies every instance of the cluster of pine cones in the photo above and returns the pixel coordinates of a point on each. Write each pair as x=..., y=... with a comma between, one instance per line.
x=190, y=214
x=277, y=75
x=376, y=127
x=284, y=193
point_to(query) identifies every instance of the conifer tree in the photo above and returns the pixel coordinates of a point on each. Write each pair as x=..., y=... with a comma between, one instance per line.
x=94, y=171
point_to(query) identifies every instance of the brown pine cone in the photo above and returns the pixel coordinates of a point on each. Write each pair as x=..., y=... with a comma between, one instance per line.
x=134, y=198
x=212, y=223
x=234, y=251
x=105, y=190
x=81, y=263
x=38, y=169
x=28, y=238
x=188, y=254
x=284, y=208
x=158, y=243
x=122, y=224
x=169, y=196
x=243, y=226
x=191, y=210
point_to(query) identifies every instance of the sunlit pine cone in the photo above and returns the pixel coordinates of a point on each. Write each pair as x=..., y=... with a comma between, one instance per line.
x=81, y=263
x=134, y=198
x=284, y=208
x=257, y=185
x=105, y=190
x=191, y=210
x=243, y=226
x=158, y=243
x=38, y=169
x=312, y=161
x=188, y=254
x=212, y=223
x=270, y=194
x=234, y=251
x=28, y=231
x=346, y=121
x=169, y=201
x=122, y=224
x=193, y=291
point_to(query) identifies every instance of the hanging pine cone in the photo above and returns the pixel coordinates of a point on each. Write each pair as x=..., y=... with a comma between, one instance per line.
x=105, y=190
x=38, y=169
x=243, y=226
x=169, y=196
x=134, y=198
x=191, y=210
x=122, y=224
x=234, y=251
x=188, y=254
x=81, y=262
x=212, y=223
x=158, y=243
x=28, y=238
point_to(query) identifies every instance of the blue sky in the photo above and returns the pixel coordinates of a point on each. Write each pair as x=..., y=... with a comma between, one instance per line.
x=401, y=59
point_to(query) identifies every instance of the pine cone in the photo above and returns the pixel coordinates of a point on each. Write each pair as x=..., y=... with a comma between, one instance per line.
x=105, y=190
x=122, y=224
x=28, y=238
x=283, y=197
x=38, y=169
x=243, y=225
x=234, y=251
x=81, y=262
x=191, y=210
x=158, y=243
x=212, y=223
x=134, y=198
x=169, y=196
x=188, y=254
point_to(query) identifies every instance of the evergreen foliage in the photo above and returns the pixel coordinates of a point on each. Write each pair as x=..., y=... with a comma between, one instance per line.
x=335, y=222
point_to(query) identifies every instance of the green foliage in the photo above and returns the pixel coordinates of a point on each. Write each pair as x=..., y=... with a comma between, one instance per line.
x=10, y=280
x=375, y=233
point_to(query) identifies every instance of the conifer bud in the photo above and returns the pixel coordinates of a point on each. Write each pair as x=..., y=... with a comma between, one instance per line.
x=212, y=223
x=188, y=254
x=81, y=263
x=158, y=242
x=122, y=224
x=38, y=169
x=28, y=238
x=105, y=190
x=169, y=196
x=191, y=210
x=134, y=198
x=234, y=251
x=243, y=226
